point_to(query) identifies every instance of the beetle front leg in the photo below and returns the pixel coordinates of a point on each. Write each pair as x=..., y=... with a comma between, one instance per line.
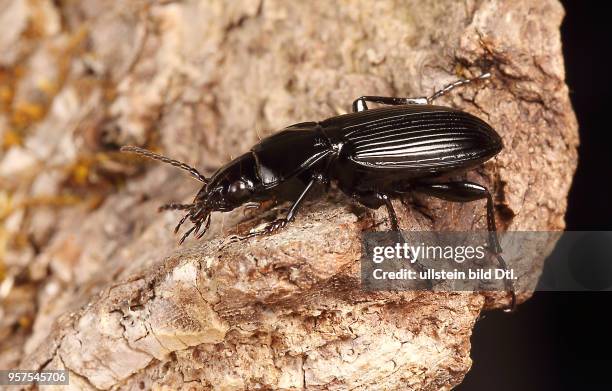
x=281, y=223
x=465, y=191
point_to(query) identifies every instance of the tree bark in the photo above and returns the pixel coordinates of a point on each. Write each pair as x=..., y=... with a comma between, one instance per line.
x=93, y=279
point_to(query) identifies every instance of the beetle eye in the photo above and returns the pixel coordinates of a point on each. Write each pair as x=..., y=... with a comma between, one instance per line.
x=239, y=190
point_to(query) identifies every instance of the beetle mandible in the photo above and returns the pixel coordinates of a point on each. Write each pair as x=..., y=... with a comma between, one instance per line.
x=373, y=155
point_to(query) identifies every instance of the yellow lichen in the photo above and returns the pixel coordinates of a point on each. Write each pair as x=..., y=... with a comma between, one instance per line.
x=11, y=138
x=49, y=87
x=2, y=265
x=27, y=113
x=80, y=173
x=6, y=95
x=25, y=321
x=6, y=204
x=4, y=238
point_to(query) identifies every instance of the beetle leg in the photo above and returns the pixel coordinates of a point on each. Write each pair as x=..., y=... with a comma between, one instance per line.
x=392, y=215
x=281, y=223
x=396, y=228
x=359, y=104
x=376, y=200
x=186, y=234
x=178, y=226
x=465, y=191
x=300, y=200
x=461, y=82
x=206, y=226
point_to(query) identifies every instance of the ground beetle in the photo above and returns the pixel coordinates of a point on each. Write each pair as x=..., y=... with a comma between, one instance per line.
x=372, y=154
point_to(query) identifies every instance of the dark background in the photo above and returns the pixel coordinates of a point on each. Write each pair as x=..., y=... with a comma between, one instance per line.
x=562, y=341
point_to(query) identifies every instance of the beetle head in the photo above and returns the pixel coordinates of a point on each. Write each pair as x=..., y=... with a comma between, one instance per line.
x=230, y=187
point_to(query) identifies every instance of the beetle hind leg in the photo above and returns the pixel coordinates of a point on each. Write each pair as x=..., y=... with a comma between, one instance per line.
x=461, y=82
x=360, y=104
x=464, y=191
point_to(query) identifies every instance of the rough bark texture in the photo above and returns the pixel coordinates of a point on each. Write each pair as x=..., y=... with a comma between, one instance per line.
x=92, y=278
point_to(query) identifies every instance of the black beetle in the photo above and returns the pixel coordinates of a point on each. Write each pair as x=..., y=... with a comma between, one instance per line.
x=372, y=154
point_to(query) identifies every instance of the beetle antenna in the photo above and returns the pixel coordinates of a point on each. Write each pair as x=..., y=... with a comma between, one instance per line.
x=152, y=155
x=448, y=88
x=174, y=206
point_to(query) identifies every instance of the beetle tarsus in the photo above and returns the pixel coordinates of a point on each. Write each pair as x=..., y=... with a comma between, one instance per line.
x=509, y=285
x=206, y=226
x=275, y=226
x=269, y=229
x=461, y=82
x=186, y=234
x=178, y=226
x=360, y=104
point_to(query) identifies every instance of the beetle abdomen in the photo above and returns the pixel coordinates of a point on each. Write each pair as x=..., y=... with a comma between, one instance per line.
x=424, y=138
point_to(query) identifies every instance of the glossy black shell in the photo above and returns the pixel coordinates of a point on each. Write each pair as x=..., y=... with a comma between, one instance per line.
x=421, y=138
x=380, y=147
x=374, y=150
